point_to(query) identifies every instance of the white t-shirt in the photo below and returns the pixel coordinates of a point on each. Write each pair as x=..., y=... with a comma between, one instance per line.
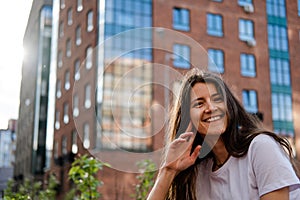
x=263, y=169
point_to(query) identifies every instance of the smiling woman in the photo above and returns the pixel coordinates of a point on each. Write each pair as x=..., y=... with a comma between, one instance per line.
x=216, y=150
x=11, y=51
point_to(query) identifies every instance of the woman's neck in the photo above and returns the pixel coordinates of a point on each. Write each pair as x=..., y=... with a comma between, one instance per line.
x=220, y=153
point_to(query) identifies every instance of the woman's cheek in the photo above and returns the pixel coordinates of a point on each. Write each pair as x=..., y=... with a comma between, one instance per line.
x=195, y=119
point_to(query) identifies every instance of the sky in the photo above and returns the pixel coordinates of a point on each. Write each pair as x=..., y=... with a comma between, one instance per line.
x=13, y=20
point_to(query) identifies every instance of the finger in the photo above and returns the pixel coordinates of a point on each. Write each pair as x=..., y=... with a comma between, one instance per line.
x=179, y=140
x=191, y=138
x=190, y=141
x=186, y=135
x=189, y=127
x=195, y=153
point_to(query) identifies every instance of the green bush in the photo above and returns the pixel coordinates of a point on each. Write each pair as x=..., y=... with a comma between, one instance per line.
x=146, y=178
x=82, y=173
x=31, y=190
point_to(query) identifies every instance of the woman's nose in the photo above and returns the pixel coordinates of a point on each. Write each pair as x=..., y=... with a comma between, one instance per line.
x=210, y=107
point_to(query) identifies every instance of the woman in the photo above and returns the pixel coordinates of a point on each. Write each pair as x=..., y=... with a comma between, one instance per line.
x=239, y=159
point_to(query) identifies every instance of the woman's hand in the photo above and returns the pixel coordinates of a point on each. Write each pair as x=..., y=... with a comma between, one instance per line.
x=179, y=156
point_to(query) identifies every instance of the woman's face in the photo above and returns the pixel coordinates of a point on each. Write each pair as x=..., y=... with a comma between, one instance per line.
x=207, y=109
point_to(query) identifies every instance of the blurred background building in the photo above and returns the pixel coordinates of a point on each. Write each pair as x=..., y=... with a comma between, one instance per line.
x=33, y=109
x=105, y=72
x=8, y=140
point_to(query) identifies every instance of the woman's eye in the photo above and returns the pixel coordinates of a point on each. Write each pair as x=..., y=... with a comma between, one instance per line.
x=197, y=104
x=218, y=99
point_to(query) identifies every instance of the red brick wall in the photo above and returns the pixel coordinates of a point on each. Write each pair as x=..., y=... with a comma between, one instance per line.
x=293, y=22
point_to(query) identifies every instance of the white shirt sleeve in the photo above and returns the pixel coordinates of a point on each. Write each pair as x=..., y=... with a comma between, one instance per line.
x=271, y=165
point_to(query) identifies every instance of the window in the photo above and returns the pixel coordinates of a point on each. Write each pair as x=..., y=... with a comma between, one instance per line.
x=280, y=72
x=58, y=89
x=46, y=18
x=214, y=25
x=79, y=5
x=282, y=113
x=247, y=65
x=250, y=101
x=244, y=2
x=86, y=135
x=44, y=88
x=64, y=145
x=66, y=113
x=90, y=25
x=298, y=3
x=281, y=107
x=70, y=19
x=125, y=18
x=68, y=48
x=276, y=8
x=55, y=149
x=89, y=58
x=77, y=70
x=43, y=112
x=246, y=30
x=181, y=19
x=62, y=4
x=74, y=142
x=78, y=35
x=87, y=99
x=277, y=38
x=75, y=105
x=57, y=120
x=181, y=56
x=215, y=60
x=67, y=80
x=61, y=29
x=123, y=15
x=59, y=59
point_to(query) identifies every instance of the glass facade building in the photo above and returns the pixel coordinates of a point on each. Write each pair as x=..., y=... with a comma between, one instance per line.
x=124, y=89
x=32, y=154
x=42, y=87
x=279, y=68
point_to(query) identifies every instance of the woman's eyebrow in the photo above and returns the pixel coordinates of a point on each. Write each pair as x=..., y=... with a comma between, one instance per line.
x=201, y=98
x=197, y=99
x=216, y=94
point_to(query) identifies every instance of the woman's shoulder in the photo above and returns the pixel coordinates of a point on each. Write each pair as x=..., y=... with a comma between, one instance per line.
x=264, y=144
x=271, y=165
x=263, y=139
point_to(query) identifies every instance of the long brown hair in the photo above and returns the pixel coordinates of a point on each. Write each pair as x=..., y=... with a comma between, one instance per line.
x=242, y=127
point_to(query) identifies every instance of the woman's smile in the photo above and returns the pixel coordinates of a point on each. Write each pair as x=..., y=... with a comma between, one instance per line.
x=213, y=118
